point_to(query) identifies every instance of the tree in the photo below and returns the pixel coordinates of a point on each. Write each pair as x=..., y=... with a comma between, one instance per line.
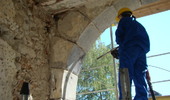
x=96, y=80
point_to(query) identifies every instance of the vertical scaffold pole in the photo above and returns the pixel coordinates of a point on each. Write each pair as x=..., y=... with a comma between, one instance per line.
x=115, y=72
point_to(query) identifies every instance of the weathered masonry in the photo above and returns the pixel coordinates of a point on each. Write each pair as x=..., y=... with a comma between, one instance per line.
x=43, y=42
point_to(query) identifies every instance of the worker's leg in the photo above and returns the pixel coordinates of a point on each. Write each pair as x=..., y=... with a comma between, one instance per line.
x=128, y=59
x=139, y=77
x=120, y=89
x=140, y=87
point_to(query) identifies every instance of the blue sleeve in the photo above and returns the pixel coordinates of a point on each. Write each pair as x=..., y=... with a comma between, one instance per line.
x=120, y=31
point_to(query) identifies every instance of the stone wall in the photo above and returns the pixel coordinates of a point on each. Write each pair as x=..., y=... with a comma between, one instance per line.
x=43, y=42
x=24, y=51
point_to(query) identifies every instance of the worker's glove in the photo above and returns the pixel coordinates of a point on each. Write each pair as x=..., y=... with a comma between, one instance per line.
x=114, y=53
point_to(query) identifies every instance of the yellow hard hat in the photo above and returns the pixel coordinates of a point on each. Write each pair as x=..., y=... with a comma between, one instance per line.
x=121, y=11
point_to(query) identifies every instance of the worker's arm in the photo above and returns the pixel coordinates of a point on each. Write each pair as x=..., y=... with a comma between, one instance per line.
x=121, y=30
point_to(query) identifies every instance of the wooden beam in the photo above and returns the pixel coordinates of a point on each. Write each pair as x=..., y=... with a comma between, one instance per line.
x=156, y=7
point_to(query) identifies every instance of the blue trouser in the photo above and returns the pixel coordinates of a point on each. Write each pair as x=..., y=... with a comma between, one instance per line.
x=134, y=58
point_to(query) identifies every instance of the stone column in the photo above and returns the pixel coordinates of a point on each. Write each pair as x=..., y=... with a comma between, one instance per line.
x=63, y=85
x=65, y=61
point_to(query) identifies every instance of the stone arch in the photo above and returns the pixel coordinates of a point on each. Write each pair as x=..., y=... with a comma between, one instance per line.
x=48, y=45
x=97, y=25
x=94, y=26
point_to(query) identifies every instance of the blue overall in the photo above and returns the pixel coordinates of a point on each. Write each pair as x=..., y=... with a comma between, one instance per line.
x=133, y=43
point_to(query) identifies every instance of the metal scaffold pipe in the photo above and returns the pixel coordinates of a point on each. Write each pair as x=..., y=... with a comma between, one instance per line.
x=114, y=63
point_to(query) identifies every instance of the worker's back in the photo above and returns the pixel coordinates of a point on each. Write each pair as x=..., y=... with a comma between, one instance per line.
x=130, y=33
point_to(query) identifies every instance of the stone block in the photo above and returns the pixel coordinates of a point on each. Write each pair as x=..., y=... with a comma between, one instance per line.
x=63, y=84
x=70, y=85
x=105, y=19
x=60, y=49
x=144, y=2
x=72, y=25
x=88, y=37
x=62, y=4
x=75, y=56
x=132, y=4
x=56, y=83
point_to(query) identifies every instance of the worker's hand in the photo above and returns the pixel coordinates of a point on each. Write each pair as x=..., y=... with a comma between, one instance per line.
x=148, y=76
x=115, y=53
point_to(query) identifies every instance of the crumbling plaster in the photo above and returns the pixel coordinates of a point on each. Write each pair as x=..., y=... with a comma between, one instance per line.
x=25, y=36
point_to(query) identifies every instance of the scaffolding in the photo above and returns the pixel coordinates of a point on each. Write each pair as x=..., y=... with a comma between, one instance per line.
x=115, y=74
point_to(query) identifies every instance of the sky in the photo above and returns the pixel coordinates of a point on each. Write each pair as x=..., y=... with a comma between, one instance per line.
x=158, y=28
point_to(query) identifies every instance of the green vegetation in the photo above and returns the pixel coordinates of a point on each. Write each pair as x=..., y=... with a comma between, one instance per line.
x=96, y=80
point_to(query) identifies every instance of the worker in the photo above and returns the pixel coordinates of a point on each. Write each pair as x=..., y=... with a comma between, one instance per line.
x=134, y=43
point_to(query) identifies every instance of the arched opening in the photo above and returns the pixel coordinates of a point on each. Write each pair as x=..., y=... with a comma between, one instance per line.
x=157, y=28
